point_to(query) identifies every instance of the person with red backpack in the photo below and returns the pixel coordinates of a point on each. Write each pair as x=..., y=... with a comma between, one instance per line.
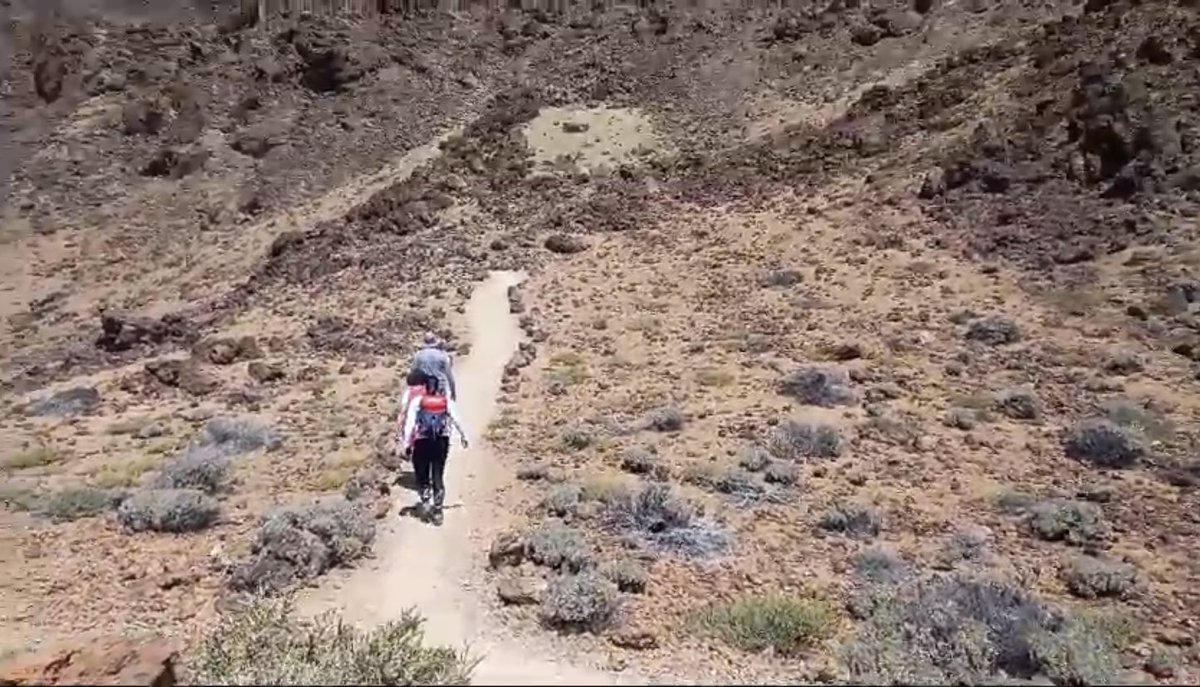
x=428, y=423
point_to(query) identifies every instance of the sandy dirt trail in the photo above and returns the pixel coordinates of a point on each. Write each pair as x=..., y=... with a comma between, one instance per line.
x=435, y=569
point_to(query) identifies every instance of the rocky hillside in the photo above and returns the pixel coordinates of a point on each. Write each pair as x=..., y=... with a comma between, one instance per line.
x=862, y=338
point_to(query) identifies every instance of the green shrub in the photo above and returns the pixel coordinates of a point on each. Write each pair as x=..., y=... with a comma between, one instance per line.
x=563, y=499
x=554, y=545
x=783, y=623
x=1089, y=577
x=266, y=644
x=587, y=601
x=956, y=630
x=1073, y=522
x=78, y=502
x=35, y=457
x=629, y=575
x=168, y=510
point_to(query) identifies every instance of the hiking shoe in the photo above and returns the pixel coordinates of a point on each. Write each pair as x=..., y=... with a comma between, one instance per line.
x=423, y=506
x=439, y=499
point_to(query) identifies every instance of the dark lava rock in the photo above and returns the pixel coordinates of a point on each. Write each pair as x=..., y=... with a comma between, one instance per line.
x=565, y=244
x=224, y=351
x=182, y=374
x=76, y=401
x=264, y=372
x=123, y=332
x=173, y=163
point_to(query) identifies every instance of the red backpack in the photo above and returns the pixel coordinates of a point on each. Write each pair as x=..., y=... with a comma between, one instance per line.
x=432, y=416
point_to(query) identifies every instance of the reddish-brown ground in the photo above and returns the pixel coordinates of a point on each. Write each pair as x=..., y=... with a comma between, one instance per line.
x=708, y=202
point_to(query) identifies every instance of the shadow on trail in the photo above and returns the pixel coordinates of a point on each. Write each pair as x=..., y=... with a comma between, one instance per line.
x=406, y=479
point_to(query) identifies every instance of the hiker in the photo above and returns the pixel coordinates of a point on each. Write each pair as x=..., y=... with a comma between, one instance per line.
x=432, y=359
x=427, y=427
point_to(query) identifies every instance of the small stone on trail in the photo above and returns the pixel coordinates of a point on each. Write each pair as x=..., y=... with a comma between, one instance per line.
x=636, y=639
x=517, y=591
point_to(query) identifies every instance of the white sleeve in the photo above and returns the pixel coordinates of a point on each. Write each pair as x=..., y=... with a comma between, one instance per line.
x=410, y=421
x=456, y=418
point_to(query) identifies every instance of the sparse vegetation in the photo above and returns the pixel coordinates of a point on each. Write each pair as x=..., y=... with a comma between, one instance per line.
x=563, y=499
x=340, y=471
x=754, y=458
x=33, y=457
x=628, y=574
x=127, y=425
x=781, y=278
x=1018, y=404
x=652, y=508
x=73, y=503
x=297, y=544
x=783, y=474
x=818, y=386
x=880, y=566
x=1161, y=663
x=533, y=473
x=1013, y=501
x=332, y=479
x=644, y=461
x=664, y=519
x=237, y=435
x=732, y=481
x=368, y=481
x=555, y=545
x=967, y=545
x=994, y=330
x=853, y=520
x=204, y=467
x=606, y=488
x=794, y=440
x=567, y=368
x=667, y=419
x=891, y=427
x=1073, y=522
x=1078, y=653
x=779, y=622
x=167, y=510
x=705, y=475
x=714, y=377
x=894, y=251
x=267, y=643
x=1124, y=363
x=577, y=438
x=1104, y=444
x=18, y=497
x=1090, y=577
x=584, y=601
x=955, y=630
x=126, y=473
x=740, y=485
x=1139, y=419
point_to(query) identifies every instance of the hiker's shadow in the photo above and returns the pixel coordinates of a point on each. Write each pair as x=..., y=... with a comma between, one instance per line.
x=406, y=479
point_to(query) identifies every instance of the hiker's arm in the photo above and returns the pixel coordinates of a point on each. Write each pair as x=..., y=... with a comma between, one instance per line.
x=456, y=419
x=401, y=418
x=450, y=378
x=410, y=424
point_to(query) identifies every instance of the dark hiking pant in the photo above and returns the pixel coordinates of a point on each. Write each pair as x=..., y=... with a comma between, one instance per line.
x=429, y=462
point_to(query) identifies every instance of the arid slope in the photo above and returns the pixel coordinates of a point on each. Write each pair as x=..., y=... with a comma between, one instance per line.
x=848, y=316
